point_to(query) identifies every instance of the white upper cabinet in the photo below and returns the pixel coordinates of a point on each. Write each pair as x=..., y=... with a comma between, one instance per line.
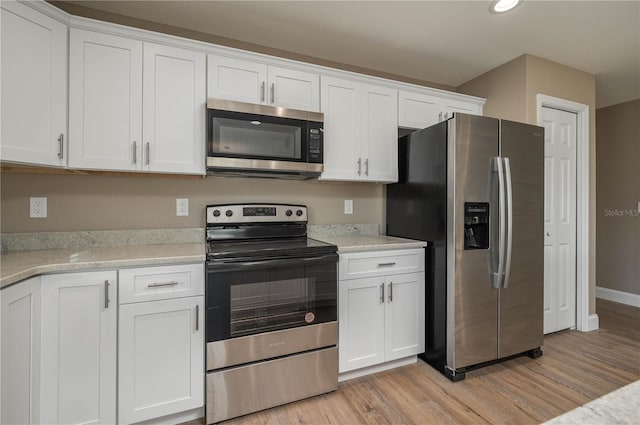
x=360, y=131
x=254, y=82
x=380, y=134
x=117, y=123
x=173, y=109
x=34, y=86
x=419, y=110
x=105, y=101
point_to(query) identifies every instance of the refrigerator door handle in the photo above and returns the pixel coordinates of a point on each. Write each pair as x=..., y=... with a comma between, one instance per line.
x=496, y=278
x=509, y=217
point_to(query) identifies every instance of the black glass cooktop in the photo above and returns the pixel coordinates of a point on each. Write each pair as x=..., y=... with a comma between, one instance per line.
x=271, y=248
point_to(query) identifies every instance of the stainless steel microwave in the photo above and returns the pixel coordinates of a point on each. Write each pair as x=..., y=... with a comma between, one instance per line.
x=244, y=139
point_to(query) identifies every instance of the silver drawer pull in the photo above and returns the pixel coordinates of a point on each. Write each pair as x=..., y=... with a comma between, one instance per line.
x=386, y=264
x=157, y=285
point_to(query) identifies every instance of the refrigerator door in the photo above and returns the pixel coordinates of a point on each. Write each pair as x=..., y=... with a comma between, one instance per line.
x=472, y=303
x=521, y=301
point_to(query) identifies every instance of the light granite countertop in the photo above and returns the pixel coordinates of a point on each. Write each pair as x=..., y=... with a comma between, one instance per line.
x=19, y=265
x=361, y=243
x=74, y=251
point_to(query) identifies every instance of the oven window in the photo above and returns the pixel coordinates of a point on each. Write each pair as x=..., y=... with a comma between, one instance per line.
x=268, y=306
x=249, y=139
x=251, y=300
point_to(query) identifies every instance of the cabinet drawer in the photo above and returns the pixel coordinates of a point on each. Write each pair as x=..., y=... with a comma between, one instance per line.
x=160, y=283
x=378, y=263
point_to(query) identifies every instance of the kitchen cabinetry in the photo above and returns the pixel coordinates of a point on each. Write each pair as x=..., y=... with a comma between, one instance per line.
x=418, y=110
x=255, y=82
x=116, y=123
x=381, y=307
x=21, y=353
x=360, y=131
x=79, y=336
x=34, y=86
x=161, y=341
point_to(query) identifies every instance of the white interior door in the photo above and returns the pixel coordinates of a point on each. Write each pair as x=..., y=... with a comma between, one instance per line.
x=559, y=219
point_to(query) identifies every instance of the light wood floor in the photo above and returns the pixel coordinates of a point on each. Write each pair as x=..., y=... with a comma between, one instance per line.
x=576, y=368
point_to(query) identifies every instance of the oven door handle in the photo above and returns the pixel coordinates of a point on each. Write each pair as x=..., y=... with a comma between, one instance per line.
x=244, y=263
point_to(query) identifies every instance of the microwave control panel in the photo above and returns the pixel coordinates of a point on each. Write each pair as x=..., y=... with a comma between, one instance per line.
x=315, y=145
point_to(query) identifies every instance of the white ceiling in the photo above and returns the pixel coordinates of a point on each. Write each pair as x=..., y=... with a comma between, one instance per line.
x=447, y=42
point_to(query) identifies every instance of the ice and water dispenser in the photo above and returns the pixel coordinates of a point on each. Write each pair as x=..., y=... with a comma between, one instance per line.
x=476, y=225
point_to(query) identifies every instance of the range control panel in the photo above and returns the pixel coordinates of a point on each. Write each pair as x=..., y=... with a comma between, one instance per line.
x=255, y=213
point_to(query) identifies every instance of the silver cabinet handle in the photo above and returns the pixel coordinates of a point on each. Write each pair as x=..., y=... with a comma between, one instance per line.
x=359, y=166
x=273, y=92
x=61, y=146
x=366, y=166
x=382, y=293
x=262, y=92
x=157, y=285
x=440, y=116
x=135, y=152
x=197, y=317
x=106, y=294
x=148, y=152
x=390, y=291
x=548, y=233
x=386, y=264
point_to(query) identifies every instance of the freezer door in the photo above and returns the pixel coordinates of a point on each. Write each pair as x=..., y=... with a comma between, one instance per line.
x=472, y=303
x=521, y=302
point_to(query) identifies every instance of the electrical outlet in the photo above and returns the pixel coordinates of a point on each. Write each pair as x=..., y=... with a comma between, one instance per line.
x=38, y=207
x=182, y=207
x=348, y=206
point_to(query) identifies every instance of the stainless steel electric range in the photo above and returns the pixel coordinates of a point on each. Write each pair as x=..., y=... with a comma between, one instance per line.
x=271, y=309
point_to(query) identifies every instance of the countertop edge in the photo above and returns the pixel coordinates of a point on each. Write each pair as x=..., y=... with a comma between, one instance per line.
x=41, y=269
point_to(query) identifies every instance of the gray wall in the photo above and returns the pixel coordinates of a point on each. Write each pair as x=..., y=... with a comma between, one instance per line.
x=618, y=189
x=110, y=202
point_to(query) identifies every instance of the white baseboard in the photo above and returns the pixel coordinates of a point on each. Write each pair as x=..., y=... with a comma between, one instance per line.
x=593, y=323
x=618, y=296
x=345, y=376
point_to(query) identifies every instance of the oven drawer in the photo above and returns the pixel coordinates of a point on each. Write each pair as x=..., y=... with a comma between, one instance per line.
x=380, y=263
x=160, y=283
x=247, y=349
x=246, y=389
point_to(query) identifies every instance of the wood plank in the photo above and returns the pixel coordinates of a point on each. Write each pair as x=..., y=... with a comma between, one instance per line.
x=576, y=368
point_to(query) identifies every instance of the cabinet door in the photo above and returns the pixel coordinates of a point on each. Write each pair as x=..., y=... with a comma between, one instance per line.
x=417, y=110
x=105, y=101
x=34, y=86
x=173, y=110
x=236, y=79
x=404, y=316
x=450, y=106
x=21, y=352
x=361, y=323
x=341, y=106
x=161, y=358
x=380, y=134
x=79, y=328
x=294, y=89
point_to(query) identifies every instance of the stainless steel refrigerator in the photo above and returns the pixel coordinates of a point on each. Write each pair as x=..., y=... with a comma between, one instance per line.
x=473, y=188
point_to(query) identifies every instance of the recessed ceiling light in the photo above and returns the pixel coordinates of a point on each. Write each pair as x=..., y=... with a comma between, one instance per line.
x=501, y=6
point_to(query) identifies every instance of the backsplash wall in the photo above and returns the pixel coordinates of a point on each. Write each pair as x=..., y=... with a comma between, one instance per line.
x=94, y=202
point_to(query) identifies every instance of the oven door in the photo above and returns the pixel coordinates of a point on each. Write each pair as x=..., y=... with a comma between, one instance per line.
x=249, y=298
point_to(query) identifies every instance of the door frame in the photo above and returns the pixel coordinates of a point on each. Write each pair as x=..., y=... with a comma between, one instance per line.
x=585, y=322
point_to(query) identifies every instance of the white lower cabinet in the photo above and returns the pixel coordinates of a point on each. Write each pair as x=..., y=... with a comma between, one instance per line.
x=161, y=342
x=381, y=318
x=78, y=353
x=21, y=353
